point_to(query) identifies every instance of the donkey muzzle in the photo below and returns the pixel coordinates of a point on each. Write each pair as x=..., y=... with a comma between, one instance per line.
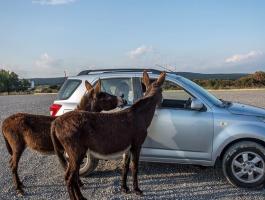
x=121, y=102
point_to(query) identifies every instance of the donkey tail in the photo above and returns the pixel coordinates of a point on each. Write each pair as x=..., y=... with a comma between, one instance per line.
x=58, y=148
x=9, y=149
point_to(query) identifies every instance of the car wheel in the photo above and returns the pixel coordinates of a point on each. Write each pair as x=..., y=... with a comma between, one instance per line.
x=88, y=164
x=244, y=164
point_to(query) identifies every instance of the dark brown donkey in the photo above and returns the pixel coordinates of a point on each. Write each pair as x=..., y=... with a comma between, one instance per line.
x=24, y=130
x=106, y=135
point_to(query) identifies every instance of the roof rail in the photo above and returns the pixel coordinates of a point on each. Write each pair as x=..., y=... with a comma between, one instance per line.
x=86, y=72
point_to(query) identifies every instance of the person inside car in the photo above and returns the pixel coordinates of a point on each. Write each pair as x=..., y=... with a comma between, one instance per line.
x=122, y=90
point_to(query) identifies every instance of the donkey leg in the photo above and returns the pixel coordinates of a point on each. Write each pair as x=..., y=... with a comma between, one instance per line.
x=73, y=179
x=72, y=176
x=80, y=182
x=78, y=193
x=125, y=169
x=77, y=179
x=70, y=186
x=10, y=161
x=11, y=167
x=14, y=166
x=135, y=161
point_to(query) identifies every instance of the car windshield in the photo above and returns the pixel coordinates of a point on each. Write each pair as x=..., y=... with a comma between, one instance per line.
x=213, y=99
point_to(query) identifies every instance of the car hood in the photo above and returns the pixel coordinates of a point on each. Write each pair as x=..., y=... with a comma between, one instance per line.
x=242, y=109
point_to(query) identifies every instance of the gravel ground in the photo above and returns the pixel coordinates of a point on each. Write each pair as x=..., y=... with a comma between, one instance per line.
x=44, y=178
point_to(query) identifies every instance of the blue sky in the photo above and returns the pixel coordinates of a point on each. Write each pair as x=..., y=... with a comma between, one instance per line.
x=42, y=38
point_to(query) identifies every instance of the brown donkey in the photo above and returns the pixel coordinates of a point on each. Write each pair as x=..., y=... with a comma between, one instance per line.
x=24, y=130
x=106, y=135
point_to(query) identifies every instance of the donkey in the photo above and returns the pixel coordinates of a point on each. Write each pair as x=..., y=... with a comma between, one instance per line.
x=106, y=135
x=24, y=130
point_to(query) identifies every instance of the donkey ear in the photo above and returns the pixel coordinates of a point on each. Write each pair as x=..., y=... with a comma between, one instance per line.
x=88, y=86
x=146, y=79
x=161, y=79
x=98, y=87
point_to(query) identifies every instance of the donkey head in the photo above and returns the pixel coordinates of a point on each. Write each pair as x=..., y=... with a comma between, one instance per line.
x=154, y=88
x=95, y=100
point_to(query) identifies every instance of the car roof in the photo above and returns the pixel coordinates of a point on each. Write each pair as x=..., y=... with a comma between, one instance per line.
x=122, y=72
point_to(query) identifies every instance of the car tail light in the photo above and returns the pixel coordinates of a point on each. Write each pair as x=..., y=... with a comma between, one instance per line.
x=54, y=108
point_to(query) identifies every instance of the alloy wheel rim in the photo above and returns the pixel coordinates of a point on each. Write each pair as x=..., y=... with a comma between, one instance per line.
x=84, y=163
x=248, y=167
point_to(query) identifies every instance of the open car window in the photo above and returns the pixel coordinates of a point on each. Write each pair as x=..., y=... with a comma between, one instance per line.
x=175, y=96
x=119, y=87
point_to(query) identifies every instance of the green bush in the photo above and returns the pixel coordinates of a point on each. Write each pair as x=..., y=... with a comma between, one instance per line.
x=9, y=82
x=54, y=87
x=46, y=90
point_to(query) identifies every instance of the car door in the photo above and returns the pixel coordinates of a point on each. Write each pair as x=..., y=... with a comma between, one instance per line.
x=177, y=131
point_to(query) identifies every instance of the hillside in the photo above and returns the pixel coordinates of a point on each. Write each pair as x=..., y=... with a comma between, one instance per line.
x=200, y=76
x=48, y=81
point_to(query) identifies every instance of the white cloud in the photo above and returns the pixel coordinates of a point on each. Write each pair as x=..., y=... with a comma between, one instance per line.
x=243, y=57
x=140, y=51
x=46, y=66
x=46, y=61
x=53, y=2
x=2, y=66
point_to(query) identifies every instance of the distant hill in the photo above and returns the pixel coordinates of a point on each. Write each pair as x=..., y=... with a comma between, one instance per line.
x=199, y=76
x=48, y=81
x=189, y=75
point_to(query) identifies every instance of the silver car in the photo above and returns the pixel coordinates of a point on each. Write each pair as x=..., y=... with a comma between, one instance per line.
x=191, y=126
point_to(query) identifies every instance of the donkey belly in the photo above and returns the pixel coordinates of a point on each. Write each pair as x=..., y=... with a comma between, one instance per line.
x=112, y=156
x=40, y=141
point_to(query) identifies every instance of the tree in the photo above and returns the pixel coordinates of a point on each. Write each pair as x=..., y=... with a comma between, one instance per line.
x=24, y=84
x=259, y=76
x=9, y=82
x=4, y=82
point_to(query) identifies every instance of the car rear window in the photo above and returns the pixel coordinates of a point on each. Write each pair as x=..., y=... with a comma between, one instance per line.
x=68, y=88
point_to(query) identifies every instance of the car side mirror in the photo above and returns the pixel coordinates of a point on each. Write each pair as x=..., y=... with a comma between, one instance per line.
x=196, y=104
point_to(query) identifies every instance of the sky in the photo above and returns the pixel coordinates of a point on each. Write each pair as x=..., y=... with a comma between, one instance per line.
x=44, y=38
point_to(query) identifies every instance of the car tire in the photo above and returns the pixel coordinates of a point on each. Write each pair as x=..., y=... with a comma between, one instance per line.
x=89, y=165
x=243, y=164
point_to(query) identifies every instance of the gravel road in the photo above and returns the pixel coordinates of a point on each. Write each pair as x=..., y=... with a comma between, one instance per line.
x=44, y=178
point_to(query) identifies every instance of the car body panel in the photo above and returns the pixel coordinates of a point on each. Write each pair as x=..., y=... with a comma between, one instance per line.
x=243, y=109
x=229, y=128
x=171, y=130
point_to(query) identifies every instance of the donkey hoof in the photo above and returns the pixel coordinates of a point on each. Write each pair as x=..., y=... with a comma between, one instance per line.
x=125, y=190
x=20, y=192
x=137, y=191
